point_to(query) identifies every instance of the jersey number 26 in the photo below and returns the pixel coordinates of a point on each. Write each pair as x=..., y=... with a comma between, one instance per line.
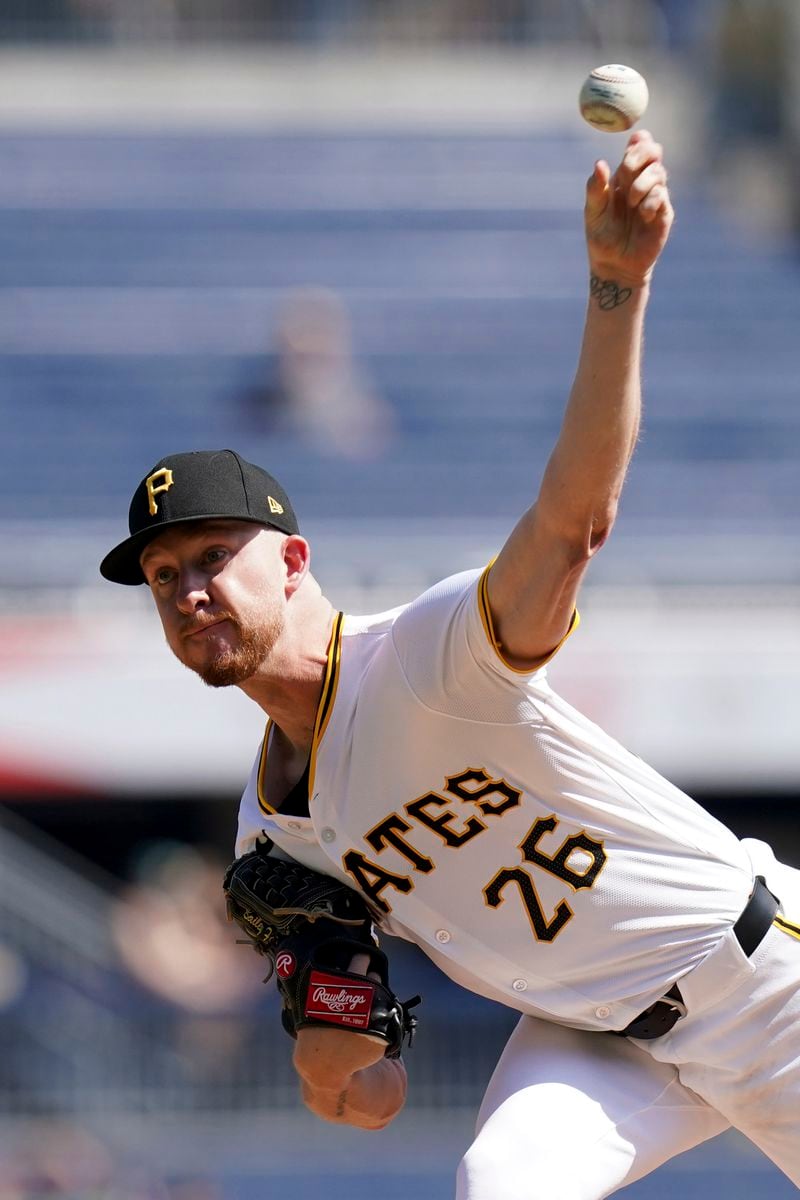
x=588, y=859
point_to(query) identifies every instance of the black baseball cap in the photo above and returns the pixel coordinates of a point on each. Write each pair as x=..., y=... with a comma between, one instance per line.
x=197, y=486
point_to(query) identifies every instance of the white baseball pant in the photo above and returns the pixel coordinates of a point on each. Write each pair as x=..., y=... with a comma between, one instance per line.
x=575, y=1115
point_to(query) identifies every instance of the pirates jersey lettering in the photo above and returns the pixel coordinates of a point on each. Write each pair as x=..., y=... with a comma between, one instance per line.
x=391, y=830
x=532, y=857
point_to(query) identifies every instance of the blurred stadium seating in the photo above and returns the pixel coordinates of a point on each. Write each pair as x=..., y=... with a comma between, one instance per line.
x=672, y=23
x=143, y=275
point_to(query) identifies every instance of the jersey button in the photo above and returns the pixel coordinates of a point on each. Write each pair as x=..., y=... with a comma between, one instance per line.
x=328, y=834
x=442, y=935
x=293, y=825
x=520, y=985
x=602, y=1012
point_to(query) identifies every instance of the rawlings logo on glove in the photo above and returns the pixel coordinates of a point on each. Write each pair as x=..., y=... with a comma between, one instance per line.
x=329, y=999
x=311, y=927
x=285, y=964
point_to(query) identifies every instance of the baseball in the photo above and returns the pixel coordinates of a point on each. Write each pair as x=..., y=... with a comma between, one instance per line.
x=613, y=98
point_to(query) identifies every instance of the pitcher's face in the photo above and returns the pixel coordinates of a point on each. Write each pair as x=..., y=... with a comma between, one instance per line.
x=217, y=589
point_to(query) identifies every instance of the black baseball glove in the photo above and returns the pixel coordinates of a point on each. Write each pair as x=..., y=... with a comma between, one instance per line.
x=310, y=927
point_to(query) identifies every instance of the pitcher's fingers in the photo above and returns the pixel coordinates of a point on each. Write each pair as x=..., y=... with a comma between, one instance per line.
x=639, y=135
x=656, y=206
x=637, y=156
x=598, y=191
x=642, y=184
x=359, y=965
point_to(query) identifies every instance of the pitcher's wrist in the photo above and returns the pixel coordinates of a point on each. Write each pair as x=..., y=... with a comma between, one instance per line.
x=612, y=289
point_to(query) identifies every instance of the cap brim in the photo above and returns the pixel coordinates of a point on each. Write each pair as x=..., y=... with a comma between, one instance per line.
x=121, y=565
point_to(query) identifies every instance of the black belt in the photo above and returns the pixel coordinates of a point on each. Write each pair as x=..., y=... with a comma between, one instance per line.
x=750, y=929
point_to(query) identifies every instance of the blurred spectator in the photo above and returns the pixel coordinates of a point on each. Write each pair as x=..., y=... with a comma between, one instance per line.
x=55, y=1159
x=65, y=1160
x=754, y=57
x=754, y=50
x=171, y=929
x=319, y=395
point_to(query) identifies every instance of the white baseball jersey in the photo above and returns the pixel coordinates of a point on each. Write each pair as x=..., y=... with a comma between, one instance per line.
x=534, y=859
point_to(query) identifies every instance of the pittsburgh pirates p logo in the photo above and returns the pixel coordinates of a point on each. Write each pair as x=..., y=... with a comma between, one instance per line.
x=159, y=481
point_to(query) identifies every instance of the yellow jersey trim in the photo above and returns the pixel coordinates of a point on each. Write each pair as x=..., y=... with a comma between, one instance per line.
x=328, y=697
x=263, y=803
x=488, y=627
x=788, y=927
x=324, y=709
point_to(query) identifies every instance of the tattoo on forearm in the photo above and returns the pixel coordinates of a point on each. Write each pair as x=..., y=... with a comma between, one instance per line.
x=607, y=293
x=341, y=1103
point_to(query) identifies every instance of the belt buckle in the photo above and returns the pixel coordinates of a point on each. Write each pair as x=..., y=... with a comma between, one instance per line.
x=659, y=1018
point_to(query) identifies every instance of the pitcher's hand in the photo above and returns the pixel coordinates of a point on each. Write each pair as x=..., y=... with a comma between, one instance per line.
x=628, y=215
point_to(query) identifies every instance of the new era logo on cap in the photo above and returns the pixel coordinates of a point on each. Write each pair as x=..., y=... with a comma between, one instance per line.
x=195, y=486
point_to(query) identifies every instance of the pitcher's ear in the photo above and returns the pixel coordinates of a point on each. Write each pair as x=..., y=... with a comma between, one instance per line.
x=297, y=559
